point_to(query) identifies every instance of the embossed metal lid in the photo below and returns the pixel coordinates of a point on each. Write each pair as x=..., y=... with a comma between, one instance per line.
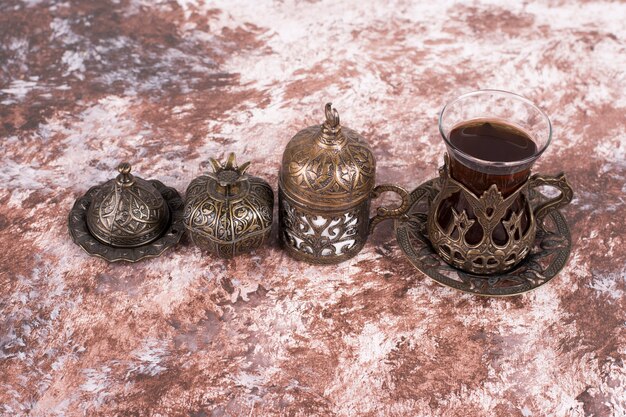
x=127, y=211
x=328, y=166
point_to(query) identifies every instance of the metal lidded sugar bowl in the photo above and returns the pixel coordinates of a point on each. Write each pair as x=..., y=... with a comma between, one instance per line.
x=127, y=218
x=128, y=212
x=228, y=212
x=326, y=183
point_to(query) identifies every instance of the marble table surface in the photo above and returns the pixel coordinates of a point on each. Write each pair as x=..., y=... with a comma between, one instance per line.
x=167, y=84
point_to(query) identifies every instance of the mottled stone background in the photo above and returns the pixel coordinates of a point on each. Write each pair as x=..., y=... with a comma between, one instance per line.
x=166, y=84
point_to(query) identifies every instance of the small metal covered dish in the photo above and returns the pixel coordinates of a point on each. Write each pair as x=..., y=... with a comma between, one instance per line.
x=228, y=212
x=127, y=218
x=326, y=183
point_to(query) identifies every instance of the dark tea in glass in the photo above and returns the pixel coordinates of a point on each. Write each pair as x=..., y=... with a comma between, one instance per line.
x=494, y=141
x=491, y=140
x=482, y=221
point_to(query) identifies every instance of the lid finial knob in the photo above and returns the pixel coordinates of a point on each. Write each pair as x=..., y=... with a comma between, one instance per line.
x=332, y=116
x=125, y=178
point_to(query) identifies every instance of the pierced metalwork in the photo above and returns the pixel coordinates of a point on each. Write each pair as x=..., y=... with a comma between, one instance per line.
x=326, y=183
x=548, y=252
x=490, y=234
x=322, y=238
x=228, y=212
x=169, y=237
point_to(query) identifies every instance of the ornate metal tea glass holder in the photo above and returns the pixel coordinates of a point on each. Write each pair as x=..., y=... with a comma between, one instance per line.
x=547, y=255
x=487, y=212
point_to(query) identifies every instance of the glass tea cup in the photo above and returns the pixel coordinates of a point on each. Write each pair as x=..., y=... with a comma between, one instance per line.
x=482, y=220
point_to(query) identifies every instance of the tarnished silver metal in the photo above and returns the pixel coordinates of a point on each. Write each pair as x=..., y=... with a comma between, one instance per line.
x=127, y=211
x=326, y=183
x=228, y=212
x=549, y=250
x=127, y=218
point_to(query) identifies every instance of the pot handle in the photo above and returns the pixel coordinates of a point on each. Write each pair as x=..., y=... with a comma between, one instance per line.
x=384, y=213
x=564, y=198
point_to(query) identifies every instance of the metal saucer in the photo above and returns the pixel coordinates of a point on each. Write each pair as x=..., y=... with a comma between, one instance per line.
x=79, y=231
x=550, y=251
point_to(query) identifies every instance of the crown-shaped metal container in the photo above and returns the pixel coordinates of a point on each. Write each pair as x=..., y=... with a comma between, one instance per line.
x=228, y=212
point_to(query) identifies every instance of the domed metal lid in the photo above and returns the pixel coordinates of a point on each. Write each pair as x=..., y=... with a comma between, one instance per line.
x=328, y=167
x=127, y=211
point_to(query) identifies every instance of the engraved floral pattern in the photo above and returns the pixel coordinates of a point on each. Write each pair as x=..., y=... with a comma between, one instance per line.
x=227, y=206
x=86, y=84
x=128, y=216
x=329, y=172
